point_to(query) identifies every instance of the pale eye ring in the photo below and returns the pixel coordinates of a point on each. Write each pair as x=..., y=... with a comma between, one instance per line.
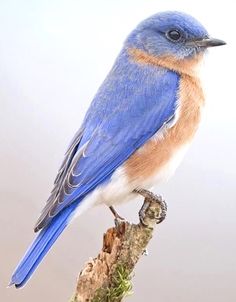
x=174, y=35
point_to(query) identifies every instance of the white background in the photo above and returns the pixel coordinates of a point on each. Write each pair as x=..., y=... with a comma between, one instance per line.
x=53, y=57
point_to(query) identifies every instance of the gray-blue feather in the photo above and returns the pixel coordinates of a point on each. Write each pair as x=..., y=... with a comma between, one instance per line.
x=151, y=35
x=134, y=103
x=130, y=107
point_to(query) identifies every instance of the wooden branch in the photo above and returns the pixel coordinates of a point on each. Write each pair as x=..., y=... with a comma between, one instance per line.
x=107, y=277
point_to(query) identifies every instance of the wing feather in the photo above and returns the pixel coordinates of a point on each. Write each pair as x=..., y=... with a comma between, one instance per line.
x=108, y=139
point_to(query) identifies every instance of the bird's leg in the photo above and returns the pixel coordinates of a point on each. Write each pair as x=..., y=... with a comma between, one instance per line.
x=149, y=198
x=118, y=219
x=116, y=215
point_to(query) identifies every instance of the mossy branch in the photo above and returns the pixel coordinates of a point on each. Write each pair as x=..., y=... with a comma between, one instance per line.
x=107, y=278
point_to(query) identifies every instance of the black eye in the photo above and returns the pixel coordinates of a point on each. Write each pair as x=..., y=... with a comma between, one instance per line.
x=173, y=35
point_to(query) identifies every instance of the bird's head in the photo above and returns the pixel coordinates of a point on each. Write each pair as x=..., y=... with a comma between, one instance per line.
x=172, y=34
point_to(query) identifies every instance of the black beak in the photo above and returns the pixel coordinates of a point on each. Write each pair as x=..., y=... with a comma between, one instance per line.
x=206, y=42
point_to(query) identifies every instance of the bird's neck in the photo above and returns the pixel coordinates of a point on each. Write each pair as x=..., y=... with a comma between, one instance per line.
x=186, y=66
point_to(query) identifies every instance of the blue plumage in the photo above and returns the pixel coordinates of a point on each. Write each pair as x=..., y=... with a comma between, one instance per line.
x=122, y=117
x=41, y=246
x=151, y=35
x=134, y=102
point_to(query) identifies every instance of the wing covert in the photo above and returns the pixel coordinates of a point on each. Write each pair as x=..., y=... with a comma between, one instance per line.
x=106, y=142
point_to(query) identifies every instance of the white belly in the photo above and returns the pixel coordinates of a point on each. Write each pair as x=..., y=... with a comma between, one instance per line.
x=120, y=189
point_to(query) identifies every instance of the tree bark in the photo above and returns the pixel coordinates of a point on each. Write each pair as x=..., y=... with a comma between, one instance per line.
x=107, y=278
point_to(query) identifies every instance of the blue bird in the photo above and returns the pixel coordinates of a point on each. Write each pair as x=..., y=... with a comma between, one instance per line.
x=136, y=130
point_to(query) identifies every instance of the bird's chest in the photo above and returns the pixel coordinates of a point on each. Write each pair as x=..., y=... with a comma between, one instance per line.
x=160, y=156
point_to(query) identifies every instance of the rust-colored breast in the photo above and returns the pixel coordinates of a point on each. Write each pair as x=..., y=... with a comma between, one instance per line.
x=156, y=153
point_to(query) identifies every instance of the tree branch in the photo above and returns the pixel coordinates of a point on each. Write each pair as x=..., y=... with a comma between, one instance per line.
x=107, y=278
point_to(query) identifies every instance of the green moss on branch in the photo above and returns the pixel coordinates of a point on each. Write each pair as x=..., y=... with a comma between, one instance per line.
x=107, y=278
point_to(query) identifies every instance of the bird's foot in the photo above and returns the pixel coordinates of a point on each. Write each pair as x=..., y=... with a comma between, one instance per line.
x=145, y=252
x=149, y=199
x=115, y=214
x=118, y=219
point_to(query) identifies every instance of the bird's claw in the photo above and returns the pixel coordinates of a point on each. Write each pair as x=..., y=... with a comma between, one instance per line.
x=149, y=199
x=115, y=214
x=145, y=252
x=119, y=221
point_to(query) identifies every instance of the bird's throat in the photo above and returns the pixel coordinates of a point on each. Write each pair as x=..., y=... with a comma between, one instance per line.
x=187, y=66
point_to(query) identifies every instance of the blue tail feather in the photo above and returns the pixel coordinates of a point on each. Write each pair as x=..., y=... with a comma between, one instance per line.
x=40, y=246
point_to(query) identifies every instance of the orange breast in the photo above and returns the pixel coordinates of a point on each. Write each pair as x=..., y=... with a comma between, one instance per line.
x=156, y=153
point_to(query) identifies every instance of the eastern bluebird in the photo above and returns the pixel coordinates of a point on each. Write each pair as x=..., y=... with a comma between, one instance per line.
x=136, y=129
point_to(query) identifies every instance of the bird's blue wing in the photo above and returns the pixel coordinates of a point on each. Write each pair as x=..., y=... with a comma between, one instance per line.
x=110, y=136
x=133, y=104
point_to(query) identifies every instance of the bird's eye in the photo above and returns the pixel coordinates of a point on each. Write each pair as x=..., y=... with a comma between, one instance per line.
x=173, y=35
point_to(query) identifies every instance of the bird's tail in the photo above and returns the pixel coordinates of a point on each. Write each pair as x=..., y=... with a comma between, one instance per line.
x=41, y=246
